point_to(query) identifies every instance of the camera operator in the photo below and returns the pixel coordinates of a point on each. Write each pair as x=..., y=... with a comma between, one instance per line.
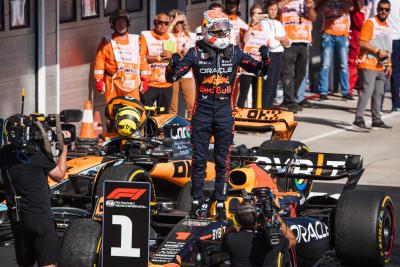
x=248, y=245
x=32, y=221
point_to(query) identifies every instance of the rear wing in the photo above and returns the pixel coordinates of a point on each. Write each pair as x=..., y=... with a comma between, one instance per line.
x=280, y=123
x=311, y=165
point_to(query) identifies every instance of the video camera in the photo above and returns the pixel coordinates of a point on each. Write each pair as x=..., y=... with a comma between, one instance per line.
x=34, y=131
x=267, y=215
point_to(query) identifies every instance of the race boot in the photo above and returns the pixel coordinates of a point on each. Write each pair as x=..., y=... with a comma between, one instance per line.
x=220, y=211
x=199, y=209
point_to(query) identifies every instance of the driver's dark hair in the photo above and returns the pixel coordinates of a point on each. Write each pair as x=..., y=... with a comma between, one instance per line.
x=383, y=2
x=214, y=5
x=269, y=3
x=246, y=215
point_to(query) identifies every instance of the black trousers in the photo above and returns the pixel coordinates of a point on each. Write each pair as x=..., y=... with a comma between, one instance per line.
x=274, y=75
x=162, y=95
x=245, y=81
x=295, y=61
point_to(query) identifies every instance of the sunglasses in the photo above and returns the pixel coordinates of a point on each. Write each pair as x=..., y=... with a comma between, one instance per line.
x=384, y=9
x=160, y=22
x=180, y=22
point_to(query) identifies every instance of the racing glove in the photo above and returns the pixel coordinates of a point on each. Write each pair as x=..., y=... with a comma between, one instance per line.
x=175, y=58
x=100, y=86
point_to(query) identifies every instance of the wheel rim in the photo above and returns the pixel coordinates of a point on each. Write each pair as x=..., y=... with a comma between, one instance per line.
x=388, y=229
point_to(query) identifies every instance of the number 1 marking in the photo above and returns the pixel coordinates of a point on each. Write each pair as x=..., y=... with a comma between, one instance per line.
x=126, y=249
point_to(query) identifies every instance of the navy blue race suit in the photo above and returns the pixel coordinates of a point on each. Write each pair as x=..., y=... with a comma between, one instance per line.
x=215, y=72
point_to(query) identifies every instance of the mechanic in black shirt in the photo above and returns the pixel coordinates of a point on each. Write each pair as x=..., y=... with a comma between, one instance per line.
x=35, y=234
x=248, y=247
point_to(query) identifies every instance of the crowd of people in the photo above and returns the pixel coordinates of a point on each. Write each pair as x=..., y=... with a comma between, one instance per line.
x=353, y=32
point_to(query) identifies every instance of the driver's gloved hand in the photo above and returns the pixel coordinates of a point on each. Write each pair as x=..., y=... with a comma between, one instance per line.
x=175, y=58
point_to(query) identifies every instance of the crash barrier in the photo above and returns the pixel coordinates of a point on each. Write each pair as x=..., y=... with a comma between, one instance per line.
x=126, y=224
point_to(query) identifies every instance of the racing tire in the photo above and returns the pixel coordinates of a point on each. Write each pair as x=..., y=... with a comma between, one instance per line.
x=364, y=228
x=81, y=244
x=302, y=186
x=124, y=172
x=184, y=200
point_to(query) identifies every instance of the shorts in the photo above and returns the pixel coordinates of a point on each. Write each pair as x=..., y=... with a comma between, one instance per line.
x=36, y=240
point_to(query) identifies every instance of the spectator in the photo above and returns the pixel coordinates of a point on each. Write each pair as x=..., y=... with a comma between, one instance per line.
x=394, y=26
x=357, y=19
x=335, y=42
x=254, y=38
x=118, y=68
x=184, y=40
x=374, y=55
x=277, y=41
x=213, y=6
x=297, y=17
x=157, y=47
x=239, y=26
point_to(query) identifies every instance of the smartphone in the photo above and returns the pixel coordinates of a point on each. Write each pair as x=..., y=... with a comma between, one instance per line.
x=261, y=16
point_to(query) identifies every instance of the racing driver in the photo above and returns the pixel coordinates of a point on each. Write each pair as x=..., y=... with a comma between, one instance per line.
x=214, y=62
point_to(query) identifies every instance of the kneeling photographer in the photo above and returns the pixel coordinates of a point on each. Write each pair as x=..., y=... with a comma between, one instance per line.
x=253, y=244
x=26, y=162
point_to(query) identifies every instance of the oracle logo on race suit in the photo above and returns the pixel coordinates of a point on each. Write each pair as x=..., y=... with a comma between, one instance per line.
x=311, y=232
x=215, y=70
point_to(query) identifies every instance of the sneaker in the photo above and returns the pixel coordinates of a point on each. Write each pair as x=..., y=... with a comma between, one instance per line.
x=220, y=212
x=323, y=97
x=395, y=109
x=199, y=209
x=305, y=104
x=360, y=124
x=294, y=108
x=380, y=124
x=348, y=97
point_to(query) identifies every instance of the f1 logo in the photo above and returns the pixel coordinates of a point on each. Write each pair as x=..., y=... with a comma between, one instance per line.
x=132, y=193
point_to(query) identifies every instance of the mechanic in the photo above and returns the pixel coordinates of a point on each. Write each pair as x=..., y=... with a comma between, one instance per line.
x=248, y=246
x=118, y=68
x=34, y=231
x=214, y=63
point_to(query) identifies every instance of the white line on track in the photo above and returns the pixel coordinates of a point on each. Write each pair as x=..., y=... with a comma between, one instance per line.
x=320, y=136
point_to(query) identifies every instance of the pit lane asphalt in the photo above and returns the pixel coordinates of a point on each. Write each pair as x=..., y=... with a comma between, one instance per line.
x=327, y=127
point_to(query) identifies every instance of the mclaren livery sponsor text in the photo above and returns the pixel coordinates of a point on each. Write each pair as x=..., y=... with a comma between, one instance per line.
x=180, y=133
x=313, y=231
x=300, y=166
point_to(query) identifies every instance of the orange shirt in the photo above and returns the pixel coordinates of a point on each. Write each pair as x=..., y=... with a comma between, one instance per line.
x=298, y=28
x=336, y=18
x=152, y=44
x=105, y=65
x=371, y=29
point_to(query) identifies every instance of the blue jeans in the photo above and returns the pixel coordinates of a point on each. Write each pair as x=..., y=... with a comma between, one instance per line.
x=338, y=46
x=303, y=86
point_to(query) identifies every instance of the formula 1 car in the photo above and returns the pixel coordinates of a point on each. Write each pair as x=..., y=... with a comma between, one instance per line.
x=161, y=156
x=358, y=225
